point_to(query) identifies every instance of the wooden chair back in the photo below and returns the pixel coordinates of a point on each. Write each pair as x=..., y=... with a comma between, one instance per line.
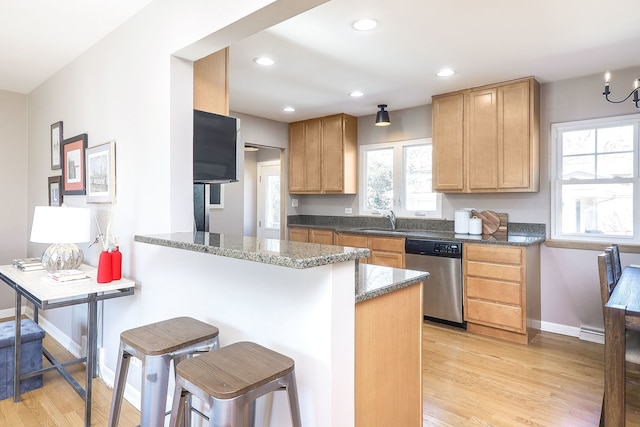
x=615, y=260
x=607, y=280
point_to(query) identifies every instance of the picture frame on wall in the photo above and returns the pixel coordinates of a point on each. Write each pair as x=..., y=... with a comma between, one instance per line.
x=56, y=141
x=73, y=165
x=101, y=173
x=55, y=191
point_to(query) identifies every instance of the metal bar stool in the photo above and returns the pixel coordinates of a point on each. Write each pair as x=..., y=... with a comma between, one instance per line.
x=156, y=345
x=230, y=379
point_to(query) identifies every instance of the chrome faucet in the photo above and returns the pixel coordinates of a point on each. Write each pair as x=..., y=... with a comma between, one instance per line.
x=392, y=218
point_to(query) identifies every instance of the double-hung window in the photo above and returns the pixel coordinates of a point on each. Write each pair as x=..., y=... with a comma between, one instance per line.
x=397, y=176
x=595, y=183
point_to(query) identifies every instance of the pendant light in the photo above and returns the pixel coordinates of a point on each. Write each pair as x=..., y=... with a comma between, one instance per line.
x=382, y=118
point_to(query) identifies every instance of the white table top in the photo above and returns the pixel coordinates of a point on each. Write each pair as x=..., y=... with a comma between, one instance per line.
x=40, y=286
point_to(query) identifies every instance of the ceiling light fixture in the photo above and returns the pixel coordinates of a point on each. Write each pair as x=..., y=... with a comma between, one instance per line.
x=445, y=72
x=634, y=92
x=382, y=118
x=365, y=24
x=248, y=147
x=288, y=109
x=356, y=94
x=264, y=60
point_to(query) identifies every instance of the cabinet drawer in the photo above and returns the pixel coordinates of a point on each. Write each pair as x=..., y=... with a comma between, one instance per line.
x=298, y=234
x=387, y=244
x=388, y=259
x=494, y=314
x=324, y=237
x=511, y=273
x=493, y=290
x=352, y=240
x=494, y=254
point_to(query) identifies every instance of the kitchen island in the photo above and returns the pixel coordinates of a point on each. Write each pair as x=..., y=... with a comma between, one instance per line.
x=297, y=298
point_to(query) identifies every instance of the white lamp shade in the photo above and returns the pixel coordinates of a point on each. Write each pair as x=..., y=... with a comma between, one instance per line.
x=61, y=225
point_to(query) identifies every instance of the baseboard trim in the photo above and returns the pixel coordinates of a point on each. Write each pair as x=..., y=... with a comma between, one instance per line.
x=585, y=333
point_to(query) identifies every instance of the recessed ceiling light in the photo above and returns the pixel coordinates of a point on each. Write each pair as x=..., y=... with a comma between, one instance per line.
x=445, y=72
x=264, y=60
x=289, y=109
x=365, y=24
x=356, y=94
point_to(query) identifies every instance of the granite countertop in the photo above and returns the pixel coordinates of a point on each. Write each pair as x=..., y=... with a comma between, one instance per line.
x=267, y=251
x=376, y=280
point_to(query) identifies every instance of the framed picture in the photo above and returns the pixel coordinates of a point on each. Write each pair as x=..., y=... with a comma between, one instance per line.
x=55, y=191
x=56, y=152
x=101, y=173
x=73, y=169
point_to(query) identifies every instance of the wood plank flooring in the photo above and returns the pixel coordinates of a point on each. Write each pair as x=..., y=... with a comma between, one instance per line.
x=57, y=404
x=468, y=380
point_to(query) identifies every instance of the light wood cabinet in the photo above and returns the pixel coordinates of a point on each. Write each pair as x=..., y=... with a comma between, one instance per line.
x=323, y=155
x=387, y=251
x=486, y=139
x=323, y=237
x=210, y=83
x=388, y=359
x=297, y=234
x=311, y=235
x=502, y=290
x=448, y=153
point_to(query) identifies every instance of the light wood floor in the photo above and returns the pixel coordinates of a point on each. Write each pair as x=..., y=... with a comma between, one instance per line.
x=57, y=404
x=469, y=380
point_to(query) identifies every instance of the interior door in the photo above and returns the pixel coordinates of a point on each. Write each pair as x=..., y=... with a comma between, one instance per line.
x=269, y=205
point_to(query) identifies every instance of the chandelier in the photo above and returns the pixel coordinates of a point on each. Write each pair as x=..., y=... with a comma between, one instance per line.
x=634, y=92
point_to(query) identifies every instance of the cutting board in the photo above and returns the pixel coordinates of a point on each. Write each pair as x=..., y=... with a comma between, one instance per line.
x=490, y=221
x=504, y=223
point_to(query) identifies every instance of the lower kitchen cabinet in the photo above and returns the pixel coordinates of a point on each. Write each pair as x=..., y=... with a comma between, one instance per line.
x=387, y=251
x=502, y=290
x=388, y=359
x=311, y=235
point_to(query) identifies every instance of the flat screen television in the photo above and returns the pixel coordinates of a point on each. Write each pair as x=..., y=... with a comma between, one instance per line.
x=215, y=148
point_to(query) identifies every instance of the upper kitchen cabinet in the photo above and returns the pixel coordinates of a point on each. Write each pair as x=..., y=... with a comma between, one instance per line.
x=486, y=139
x=323, y=155
x=448, y=153
x=211, y=84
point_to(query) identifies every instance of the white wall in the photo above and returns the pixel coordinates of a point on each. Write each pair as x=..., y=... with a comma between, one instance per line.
x=14, y=188
x=130, y=87
x=570, y=291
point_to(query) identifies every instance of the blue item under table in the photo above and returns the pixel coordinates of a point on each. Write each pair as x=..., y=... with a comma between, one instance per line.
x=30, y=357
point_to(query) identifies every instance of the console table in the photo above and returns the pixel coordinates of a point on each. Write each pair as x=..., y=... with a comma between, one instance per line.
x=45, y=294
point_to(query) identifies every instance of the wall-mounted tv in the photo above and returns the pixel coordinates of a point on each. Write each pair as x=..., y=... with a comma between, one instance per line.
x=215, y=148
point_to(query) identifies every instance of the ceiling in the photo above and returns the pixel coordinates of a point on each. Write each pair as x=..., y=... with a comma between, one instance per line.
x=320, y=59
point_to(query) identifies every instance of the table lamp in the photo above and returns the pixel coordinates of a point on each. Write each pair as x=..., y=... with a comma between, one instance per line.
x=63, y=227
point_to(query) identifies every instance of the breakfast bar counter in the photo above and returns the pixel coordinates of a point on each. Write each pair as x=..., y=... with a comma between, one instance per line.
x=305, y=300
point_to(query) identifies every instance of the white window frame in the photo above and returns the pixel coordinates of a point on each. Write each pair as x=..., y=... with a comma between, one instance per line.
x=555, y=170
x=398, y=180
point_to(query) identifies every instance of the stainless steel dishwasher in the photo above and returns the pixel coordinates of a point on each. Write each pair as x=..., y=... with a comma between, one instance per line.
x=443, y=292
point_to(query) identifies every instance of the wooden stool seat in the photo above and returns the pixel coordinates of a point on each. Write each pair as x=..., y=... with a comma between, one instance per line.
x=158, y=345
x=168, y=335
x=236, y=369
x=230, y=379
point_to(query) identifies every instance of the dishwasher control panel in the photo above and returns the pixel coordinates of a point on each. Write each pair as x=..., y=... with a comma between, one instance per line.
x=447, y=248
x=434, y=248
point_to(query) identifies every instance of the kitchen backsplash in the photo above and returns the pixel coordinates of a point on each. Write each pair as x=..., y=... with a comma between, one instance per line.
x=402, y=223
